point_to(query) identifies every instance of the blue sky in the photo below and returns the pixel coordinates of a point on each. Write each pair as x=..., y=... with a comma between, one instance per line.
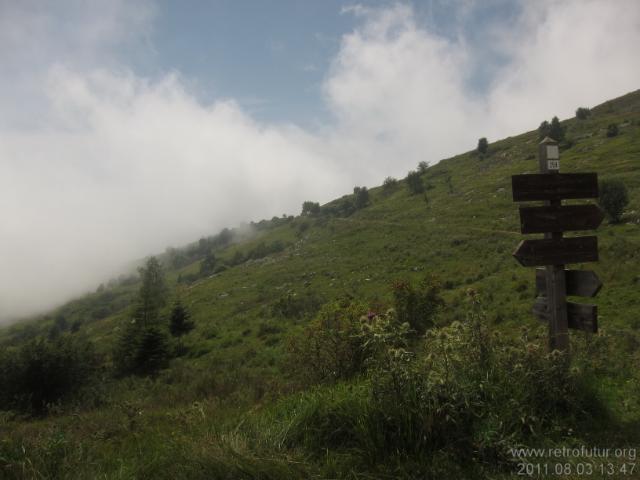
x=272, y=56
x=127, y=126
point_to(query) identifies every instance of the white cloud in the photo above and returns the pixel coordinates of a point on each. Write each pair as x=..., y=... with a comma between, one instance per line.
x=99, y=166
x=569, y=54
x=130, y=168
x=398, y=93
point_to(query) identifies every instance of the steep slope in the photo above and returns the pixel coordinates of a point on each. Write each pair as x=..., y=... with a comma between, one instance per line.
x=462, y=230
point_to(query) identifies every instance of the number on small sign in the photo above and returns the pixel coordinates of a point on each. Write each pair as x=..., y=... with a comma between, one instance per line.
x=553, y=164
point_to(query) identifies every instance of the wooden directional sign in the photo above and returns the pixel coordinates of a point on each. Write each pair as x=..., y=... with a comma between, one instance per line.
x=554, y=282
x=580, y=283
x=579, y=316
x=560, y=218
x=557, y=251
x=554, y=186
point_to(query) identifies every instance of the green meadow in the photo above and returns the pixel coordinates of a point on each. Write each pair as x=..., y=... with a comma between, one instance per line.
x=300, y=365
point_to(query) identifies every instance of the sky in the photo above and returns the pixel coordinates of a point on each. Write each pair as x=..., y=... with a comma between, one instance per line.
x=130, y=126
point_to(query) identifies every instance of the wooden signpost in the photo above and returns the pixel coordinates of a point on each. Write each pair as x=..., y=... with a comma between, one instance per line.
x=554, y=283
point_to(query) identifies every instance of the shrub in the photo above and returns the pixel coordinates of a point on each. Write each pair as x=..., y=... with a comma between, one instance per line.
x=238, y=258
x=474, y=393
x=612, y=130
x=310, y=208
x=361, y=197
x=483, y=146
x=389, y=184
x=208, y=264
x=417, y=306
x=342, y=207
x=42, y=373
x=292, y=305
x=422, y=167
x=331, y=347
x=554, y=130
x=414, y=182
x=613, y=198
x=582, y=113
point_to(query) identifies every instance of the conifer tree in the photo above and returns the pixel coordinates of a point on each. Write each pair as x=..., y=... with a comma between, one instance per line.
x=180, y=321
x=143, y=346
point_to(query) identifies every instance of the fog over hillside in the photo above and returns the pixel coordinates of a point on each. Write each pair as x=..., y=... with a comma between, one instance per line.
x=101, y=163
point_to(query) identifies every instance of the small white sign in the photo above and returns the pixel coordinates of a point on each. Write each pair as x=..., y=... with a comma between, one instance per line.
x=553, y=164
x=552, y=152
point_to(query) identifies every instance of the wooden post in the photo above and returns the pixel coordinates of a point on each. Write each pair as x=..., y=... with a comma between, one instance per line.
x=549, y=158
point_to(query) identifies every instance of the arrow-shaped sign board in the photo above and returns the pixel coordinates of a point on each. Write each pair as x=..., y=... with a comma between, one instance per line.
x=560, y=218
x=536, y=253
x=554, y=186
x=580, y=316
x=580, y=283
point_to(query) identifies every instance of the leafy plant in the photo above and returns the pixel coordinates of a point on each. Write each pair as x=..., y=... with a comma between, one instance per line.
x=417, y=306
x=331, y=347
x=483, y=146
x=613, y=198
x=582, y=113
x=389, y=184
x=414, y=182
x=44, y=372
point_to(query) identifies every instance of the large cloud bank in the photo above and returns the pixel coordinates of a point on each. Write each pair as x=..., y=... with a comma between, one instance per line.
x=99, y=165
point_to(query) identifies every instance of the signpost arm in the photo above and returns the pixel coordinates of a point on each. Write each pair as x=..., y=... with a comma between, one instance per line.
x=555, y=274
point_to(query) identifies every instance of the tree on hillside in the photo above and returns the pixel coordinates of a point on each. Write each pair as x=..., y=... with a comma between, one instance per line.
x=582, y=113
x=423, y=166
x=310, y=208
x=152, y=351
x=152, y=293
x=554, y=130
x=612, y=130
x=180, y=320
x=389, y=184
x=361, y=197
x=613, y=198
x=543, y=130
x=143, y=346
x=414, y=182
x=208, y=264
x=483, y=145
x=224, y=237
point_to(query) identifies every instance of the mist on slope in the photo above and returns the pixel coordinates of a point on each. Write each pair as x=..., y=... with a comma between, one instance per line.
x=99, y=165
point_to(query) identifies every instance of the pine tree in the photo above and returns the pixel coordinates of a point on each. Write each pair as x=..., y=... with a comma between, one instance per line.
x=143, y=347
x=208, y=264
x=152, y=353
x=180, y=321
x=152, y=294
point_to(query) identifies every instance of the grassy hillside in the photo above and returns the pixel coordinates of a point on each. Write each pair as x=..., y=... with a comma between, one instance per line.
x=215, y=412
